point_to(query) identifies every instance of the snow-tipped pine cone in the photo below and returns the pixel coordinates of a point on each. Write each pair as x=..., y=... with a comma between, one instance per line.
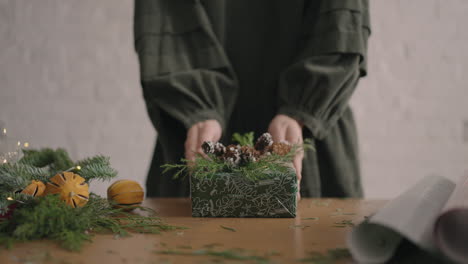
x=208, y=147
x=232, y=155
x=249, y=154
x=263, y=142
x=219, y=149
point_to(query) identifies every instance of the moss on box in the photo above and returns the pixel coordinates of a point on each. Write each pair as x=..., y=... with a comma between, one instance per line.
x=234, y=195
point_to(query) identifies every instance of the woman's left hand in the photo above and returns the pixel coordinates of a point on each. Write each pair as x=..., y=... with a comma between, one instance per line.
x=285, y=128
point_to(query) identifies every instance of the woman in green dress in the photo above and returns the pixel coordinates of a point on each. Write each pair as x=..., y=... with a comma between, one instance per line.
x=210, y=68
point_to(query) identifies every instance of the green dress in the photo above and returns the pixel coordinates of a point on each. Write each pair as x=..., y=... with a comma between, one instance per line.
x=242, y=62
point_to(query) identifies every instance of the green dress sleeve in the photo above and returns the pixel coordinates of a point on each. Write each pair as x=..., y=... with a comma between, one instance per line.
x=317, y=87
x=183, y=69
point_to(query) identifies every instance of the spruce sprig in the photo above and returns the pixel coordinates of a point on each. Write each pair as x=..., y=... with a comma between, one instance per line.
x=57, y=160
x=43, y=164
x=49, y=217
x=209, y=166
x=6, y=199
x=97, y=167
x=15, y=177
x=93, y=160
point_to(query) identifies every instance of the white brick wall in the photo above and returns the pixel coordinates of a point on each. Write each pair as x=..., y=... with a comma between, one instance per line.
x=413, y=107
x=69, y=78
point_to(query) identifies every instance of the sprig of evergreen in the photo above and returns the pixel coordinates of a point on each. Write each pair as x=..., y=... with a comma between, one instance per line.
x=97, y=167
x=43, y=164
x=227, y=254
x=7, y=199
x=14, y=177
x=209, y=166
x=57, y=160
x=93, y=160
x=246, y=139
x=49, y=217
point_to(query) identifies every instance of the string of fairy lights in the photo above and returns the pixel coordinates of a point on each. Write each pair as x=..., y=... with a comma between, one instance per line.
x=75, y=168
x=11, y=150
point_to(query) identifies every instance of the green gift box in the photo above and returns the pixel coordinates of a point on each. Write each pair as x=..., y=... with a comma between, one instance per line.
x=234, y=195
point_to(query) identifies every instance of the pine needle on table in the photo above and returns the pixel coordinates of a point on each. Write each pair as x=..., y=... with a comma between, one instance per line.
x=228, y=228
x=330, y=257
x=224, y=254
x=311, y=218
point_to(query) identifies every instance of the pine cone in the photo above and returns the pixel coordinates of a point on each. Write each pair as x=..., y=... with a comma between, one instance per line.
x=232, y=156
x=208, y=147
x=219, y=149
x=248, y=154
x=281, y=148
x=263, y=142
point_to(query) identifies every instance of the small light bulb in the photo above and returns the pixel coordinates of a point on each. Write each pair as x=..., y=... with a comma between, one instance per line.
x=4, y=131
x=4, y=161
x=78, y=167
x=9, y=198
x=19, y=143
x=26, y=144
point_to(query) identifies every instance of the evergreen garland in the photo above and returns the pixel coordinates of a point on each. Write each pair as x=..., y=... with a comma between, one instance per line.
x=43, y=164
x=57, y=160
x=97, y=167
x=209, y=165
x=49, y=217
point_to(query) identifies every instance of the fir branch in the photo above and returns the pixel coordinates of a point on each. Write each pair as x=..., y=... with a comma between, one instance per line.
x=15, y=177
x=21, y=197
x=4, y=205
x=246, y=139
x=99, y=159
x=97, y=167
x=58, y=160
x=61, y=161
x=49, y=217
x=37, y=158
x=41, y=165
x=7, y=199
x=97, y=171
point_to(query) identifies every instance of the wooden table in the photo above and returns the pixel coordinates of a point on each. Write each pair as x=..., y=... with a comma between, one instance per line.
x=321, y=225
